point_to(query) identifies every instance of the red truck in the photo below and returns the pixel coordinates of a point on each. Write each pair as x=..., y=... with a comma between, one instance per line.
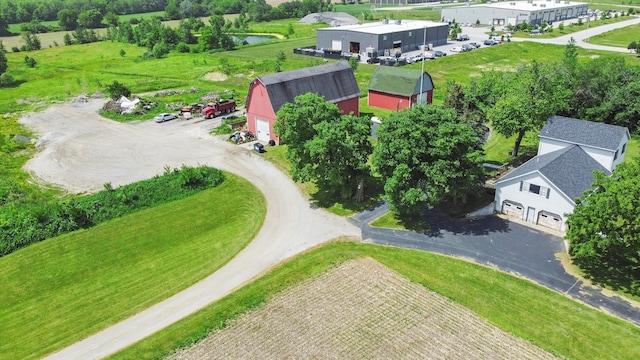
x=214, y=109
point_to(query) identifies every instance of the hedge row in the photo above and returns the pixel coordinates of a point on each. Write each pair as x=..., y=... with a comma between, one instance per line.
x=26, y=222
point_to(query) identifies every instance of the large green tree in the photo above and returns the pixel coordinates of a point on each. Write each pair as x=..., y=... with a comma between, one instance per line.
x=526, y=101
x=68, y=19
x=604, y=228
x=426, y=155
x=323, y=145
x=90, y=19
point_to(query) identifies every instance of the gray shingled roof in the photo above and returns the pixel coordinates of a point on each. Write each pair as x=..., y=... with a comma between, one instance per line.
x=569, y=169
x=336, y=82
x=582, y=132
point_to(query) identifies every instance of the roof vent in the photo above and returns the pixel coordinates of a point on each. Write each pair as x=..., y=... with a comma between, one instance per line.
x=512, y=4
x=530, y=1
x=543, y=5
x=398, y=22
x=567, y=2
x=385, y=21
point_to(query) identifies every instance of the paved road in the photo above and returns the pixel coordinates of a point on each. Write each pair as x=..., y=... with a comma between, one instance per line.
x=501, y=244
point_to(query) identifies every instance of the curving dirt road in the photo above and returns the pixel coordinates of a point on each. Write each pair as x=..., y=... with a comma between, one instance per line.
x=81, y=151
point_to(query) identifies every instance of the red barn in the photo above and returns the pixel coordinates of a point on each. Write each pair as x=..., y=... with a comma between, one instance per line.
x=397, y=88
x=336, y=82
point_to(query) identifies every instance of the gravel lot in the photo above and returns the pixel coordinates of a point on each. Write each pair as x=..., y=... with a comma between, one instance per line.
x=360, y=310
x=80, y=151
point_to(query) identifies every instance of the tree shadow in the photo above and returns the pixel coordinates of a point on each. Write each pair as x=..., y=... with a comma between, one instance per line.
x=441, y=223
x=617, y=275
x=14, y=84
x=373, y=190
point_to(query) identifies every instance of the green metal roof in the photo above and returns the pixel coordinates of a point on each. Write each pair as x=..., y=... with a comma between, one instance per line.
x=399, y=81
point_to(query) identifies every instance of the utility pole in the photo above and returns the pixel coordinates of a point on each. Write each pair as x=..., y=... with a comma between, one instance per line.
x=424, y=41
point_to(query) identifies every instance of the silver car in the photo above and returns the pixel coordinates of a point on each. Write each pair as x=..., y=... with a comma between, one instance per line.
x=165, y=117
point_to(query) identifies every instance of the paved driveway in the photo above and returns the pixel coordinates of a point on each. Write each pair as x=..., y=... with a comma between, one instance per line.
x=501, y=244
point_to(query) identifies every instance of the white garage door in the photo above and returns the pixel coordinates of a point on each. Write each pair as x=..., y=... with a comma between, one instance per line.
x=262, y=127
x=550, y=220
x=336, y=45
x=512, y=209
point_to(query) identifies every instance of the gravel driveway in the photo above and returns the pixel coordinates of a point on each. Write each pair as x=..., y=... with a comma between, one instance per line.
x=81, y=151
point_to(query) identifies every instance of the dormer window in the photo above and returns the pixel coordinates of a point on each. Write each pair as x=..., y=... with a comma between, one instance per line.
x=624, y=147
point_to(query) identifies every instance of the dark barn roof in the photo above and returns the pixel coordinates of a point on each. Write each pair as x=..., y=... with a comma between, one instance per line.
x=570, y=169
x=582, y=132
x=399, y=81
x=336, y=82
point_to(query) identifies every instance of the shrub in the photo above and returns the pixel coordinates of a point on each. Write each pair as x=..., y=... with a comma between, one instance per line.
x=6, y=80
x=15, y=49
x=31, y=62
x=182, y=47
x=117, y=90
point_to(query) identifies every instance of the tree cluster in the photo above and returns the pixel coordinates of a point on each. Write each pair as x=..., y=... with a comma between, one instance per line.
x=425, y=155
x=603, y=90
x=325, y=146
x=604, y=229
x=25, y=11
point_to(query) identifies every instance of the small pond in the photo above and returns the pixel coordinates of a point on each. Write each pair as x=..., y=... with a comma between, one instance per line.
x=251, y=39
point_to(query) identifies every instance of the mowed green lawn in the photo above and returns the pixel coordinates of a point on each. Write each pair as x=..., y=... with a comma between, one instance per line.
x=550, y=320
x=62, y=290
x=618, y=37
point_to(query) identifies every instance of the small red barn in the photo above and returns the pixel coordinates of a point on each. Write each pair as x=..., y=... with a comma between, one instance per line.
x=397, y=88
x=336, y=82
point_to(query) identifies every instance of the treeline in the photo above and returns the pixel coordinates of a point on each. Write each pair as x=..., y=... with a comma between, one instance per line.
x=101, y=13
x=23, y=11
x=26, y=221
x=605, y=90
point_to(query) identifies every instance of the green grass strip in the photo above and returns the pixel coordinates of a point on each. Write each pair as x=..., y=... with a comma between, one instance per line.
x=548, y=319
x=60, y=291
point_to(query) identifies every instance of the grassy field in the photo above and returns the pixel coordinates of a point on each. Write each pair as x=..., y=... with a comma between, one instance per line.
x=61, y=290
x=618, y=38
x=549, y=320
x=569, y=28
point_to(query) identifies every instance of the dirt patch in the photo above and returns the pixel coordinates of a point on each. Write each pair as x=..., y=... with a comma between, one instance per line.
x=215, y=76
x=361, y=310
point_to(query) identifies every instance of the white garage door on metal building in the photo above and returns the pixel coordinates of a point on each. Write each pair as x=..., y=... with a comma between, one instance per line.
x=262, y=128
x=513, y=209
x=336, y=45
x=550, y=220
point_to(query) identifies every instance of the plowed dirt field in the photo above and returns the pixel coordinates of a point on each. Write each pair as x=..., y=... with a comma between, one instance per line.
x=361, y=310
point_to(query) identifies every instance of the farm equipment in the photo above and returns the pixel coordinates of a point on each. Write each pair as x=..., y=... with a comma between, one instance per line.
x=214, y=109
x=192, y=109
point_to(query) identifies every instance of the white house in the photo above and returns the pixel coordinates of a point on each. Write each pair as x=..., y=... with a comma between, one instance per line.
x=544, y=189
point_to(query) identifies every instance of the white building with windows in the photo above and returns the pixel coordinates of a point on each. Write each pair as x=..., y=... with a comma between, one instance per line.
x=515, y=12
x=544, y=189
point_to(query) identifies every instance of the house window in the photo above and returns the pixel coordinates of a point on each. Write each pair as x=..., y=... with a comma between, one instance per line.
x=410, y=33
x=624, y=147
x=615, y=156
x=384, y=37
x=535, y=189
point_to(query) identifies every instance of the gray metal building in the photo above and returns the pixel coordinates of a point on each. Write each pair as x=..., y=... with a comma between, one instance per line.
x=516, y=12
x=382, y=38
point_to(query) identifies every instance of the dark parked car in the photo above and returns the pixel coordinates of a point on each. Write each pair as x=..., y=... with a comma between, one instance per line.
x=474, y=44
x=490, y=42
x=467, y=47
x=439, y=53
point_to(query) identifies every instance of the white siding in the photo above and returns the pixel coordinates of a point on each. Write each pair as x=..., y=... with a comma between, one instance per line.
x=604, y=157
x=556, y=203
x=550, y=145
